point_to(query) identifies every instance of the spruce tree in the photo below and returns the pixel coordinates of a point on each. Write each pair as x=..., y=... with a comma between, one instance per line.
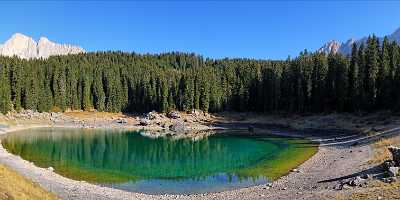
x=5, y=90
x=371, y=70
x=383, y=80
x=353, y=82
x=98, y=91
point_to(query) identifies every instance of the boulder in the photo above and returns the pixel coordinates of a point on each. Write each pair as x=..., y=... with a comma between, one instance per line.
x=388, y=164
x=395, y=154
x=121, y=121
x=392, y=179
x=144, y=122
x=53, y=114
x=366, y=176
x=389, y=180
x=393, y=171
x=338, y=186
x=174, y=115
x=295, y=170
x=357, y=181
x=152, y=115
x=178, y=127
x=250, y=129
x=195, y=112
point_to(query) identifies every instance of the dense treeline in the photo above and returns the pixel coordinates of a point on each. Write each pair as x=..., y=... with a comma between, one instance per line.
x=367, y=80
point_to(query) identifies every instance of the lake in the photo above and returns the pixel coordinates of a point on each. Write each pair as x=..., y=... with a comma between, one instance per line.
x=129, y=160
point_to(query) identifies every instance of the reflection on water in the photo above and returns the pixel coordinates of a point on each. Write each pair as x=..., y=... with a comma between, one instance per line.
x=131, y=161
x=213, y=183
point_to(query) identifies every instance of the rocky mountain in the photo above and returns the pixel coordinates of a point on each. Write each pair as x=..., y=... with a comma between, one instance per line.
x=27, y=48
x=345, y=48
x=331, y=46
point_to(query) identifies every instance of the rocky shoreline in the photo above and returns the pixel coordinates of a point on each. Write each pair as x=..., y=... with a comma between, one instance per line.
x=178, y=125
x=317, y=178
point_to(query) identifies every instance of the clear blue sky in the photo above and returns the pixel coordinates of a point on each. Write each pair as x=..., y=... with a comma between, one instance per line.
x=265, y=30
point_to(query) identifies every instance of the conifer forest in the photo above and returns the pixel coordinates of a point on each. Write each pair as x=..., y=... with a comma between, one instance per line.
x=365, y=81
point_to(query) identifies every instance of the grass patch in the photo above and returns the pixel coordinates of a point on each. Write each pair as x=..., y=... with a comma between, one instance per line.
x=15, y=186
x=378, y=188
x=381, y=152
x=90, y=115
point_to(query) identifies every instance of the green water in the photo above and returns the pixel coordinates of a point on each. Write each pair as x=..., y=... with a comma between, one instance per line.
x=130, y=161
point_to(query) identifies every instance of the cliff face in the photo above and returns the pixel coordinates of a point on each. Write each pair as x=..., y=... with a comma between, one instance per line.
x=25, y=47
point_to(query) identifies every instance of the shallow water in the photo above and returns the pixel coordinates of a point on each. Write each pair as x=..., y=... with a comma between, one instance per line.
x=130, y=161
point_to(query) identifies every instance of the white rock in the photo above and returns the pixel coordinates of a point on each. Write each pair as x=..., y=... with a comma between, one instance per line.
x=296, y=170
x=27, y=48
x=47, y=48
x=393, y=171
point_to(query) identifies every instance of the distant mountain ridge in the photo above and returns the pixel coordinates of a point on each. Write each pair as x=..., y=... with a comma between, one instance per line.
x=345, y=48
x=26, y=47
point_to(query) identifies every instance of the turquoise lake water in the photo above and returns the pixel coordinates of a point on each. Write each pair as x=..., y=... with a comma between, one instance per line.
x=129, y=161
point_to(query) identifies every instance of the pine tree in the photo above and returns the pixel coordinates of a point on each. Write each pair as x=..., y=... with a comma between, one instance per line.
x=196, y=93
x=98, y=91
x=59, y=87
x=188, y=96
x=396, y=81
x=16, y=85
x=5, y=91
x=30, y=92
x=393, y=76
x=205, y=97
x=286, y=87
x=86, y=98
x=353, y=83
x=383, y=80
x=361, y=76
x=330, y=103
x=372, y=62
x=164, y=93
x=340, y=82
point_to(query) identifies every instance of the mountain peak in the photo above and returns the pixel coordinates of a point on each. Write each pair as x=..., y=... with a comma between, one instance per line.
x=330, y=47
x=20, y=39
x=43, y=40
x=18, y=35
x=345, y=48
x=26, y=47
